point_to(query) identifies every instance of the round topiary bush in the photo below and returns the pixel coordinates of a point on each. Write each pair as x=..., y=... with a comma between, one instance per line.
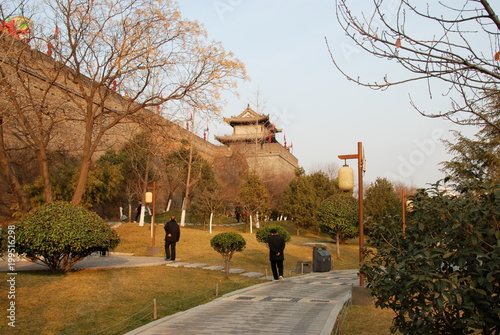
x=264, y=233
x=61, y=234
x=227, y=244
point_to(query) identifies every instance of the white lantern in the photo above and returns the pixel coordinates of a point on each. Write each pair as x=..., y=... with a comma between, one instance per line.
x=149, y=197
x=346, y=178
x=409, y=205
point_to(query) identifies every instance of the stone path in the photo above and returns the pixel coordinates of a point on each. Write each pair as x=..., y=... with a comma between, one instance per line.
x=307, y=304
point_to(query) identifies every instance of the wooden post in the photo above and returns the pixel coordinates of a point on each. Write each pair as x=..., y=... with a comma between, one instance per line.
x=361, y=216
x=155, y=315
x=361, y=168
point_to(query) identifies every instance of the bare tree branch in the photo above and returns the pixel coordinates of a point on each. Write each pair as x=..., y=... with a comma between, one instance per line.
x=455, y=44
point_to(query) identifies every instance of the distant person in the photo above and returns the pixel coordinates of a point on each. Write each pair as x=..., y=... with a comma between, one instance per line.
x=276, y=254
x=172, y=235
x=138, y=210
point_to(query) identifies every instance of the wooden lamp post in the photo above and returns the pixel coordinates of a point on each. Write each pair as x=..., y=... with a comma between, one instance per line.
x=346, y=183
x=151, y=199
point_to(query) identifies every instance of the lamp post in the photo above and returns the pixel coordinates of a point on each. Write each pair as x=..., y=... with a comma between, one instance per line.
x=405, y=205
x=151, y=199
x=346, y=182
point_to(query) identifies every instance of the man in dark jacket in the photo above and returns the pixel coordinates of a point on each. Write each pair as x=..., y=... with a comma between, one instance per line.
x=276, y=254
x=172, y=235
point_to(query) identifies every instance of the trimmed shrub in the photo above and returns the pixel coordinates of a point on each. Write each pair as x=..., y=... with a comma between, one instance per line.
x=264, y=233
x=61, y=234
x=227, y=244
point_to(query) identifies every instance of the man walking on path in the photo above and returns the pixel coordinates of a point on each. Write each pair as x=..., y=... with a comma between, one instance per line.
x=172, y=235
x=276, y=254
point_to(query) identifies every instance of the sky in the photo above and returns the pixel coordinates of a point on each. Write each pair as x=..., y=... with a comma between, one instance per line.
x=282, y=44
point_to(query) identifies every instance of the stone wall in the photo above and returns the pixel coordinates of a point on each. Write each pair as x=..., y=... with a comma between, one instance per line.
x=35, y=73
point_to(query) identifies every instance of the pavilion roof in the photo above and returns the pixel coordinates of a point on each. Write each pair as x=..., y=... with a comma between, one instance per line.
x=249, y=116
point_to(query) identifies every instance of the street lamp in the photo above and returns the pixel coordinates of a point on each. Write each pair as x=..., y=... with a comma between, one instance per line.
x=406, y=204
x=346, y=182
x=151, y=199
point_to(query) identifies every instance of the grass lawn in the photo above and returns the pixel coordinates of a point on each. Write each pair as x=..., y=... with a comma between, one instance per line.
x=84, y=302
x=194, y=247
x=88, y=301
x=367, y=320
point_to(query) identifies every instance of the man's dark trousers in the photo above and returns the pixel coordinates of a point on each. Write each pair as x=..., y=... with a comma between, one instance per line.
x=277, y=268
x=170, y=250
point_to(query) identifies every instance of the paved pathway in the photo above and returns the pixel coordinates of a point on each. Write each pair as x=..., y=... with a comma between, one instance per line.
x=115, y=260
x=306, y=304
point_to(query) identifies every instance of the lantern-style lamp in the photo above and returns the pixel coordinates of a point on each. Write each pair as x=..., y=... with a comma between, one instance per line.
x=409, y=206
x=346, y=183
x=346, y=178
x=149, y=197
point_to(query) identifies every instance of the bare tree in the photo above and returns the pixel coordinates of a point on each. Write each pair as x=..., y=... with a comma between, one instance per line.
x=455, y=42
x=11, y=176
x=141, y=51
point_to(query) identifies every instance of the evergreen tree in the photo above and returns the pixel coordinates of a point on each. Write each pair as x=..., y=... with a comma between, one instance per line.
x=299, y=203
x=338, y=217
x=302, y=198
x=381, y=202
x=206, y=194
x=477, y=158
x=253, y=194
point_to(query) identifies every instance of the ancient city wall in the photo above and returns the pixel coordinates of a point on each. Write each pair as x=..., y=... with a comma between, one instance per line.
x=34, y=73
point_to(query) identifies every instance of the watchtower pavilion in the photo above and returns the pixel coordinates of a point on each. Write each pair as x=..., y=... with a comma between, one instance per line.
x=254, y=138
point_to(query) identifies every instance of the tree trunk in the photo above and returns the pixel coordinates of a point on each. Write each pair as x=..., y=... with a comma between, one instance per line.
x=338, y=245
x=44, y=171
x=188, y=182
x=226, y=266
x=15, y=184
x=89, y=147
x=82, y=181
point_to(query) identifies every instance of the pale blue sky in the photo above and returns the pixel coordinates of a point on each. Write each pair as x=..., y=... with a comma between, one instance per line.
x=282, y=44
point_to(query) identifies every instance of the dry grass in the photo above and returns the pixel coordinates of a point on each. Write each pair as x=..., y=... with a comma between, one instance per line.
x=84, y=302
x=194, y=247
x=368, y=320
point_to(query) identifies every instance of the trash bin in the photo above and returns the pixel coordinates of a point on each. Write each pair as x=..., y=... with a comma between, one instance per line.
x=322, y=260
x=303, y=267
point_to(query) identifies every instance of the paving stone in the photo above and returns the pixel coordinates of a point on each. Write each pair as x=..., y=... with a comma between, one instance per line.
x=177, y=264
x=215, y=267
x=195, y=265
x=252, y=274
x=236, y=270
